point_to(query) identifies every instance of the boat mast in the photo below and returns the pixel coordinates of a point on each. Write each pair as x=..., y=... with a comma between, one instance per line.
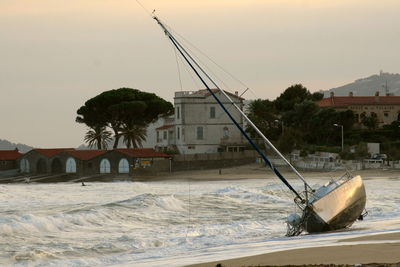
x=187, y=56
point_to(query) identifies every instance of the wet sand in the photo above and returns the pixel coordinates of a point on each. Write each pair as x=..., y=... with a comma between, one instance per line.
x=375, y=250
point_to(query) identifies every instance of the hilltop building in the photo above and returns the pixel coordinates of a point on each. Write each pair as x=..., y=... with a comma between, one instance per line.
x=199, y=124
x=385, y=108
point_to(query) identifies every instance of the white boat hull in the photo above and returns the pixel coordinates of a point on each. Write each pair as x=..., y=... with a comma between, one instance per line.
x=337, y=209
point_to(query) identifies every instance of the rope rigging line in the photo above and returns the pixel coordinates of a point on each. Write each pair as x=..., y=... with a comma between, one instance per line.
x=248, y=88
x=210, y=59
x=197, y=69
x=145, y=9
x=205, y=66
x=179, y=70
x=151, y=14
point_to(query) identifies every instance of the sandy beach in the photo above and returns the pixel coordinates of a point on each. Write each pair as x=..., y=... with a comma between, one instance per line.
x=258, y=171
x=375, y=250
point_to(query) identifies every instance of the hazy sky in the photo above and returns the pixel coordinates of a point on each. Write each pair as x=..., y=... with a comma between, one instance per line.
x=55, y=54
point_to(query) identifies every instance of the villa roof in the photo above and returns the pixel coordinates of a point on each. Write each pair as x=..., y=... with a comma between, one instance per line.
x=9, y=154
x=207, y=93
x=86, y=154
x=142, y=153
x=49, y=152
x=344, y=101
x=164, y=127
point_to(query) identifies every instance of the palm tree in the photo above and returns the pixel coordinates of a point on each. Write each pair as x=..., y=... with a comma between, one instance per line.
x=98, y=135
x=133, y=134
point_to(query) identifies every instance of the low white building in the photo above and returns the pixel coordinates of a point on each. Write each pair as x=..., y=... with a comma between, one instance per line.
x=200, y=125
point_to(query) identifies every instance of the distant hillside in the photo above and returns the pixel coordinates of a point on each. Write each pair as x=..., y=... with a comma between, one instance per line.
x=370, y=85
x=7, y=145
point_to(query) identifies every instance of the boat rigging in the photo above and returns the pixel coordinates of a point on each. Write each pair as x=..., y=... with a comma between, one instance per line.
x=333, y=206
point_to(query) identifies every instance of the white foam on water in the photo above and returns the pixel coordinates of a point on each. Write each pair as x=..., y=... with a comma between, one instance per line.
x=164, y=223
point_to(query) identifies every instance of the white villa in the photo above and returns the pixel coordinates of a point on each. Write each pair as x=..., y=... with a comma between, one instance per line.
x=199, y=124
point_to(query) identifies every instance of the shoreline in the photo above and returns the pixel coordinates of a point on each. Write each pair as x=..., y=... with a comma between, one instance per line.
x=242, y=172
x=256, y=171
x=376, y=250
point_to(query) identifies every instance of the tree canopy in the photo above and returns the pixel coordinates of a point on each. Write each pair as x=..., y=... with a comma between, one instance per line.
x=295, y=94
x=294, y=119
x=123, y=108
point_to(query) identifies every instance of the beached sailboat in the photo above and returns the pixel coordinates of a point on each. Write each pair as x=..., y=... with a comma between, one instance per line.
x=335, y=205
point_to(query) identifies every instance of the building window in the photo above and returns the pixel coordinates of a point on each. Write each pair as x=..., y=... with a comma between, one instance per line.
x=226, y=132
x=24, y=166
x=191, y=147
x=123, y=166
x=70, y=166
x=158, y=136
x=212, y=112
x=200, y=133
x=178, y=133
x=165, y=135
x=178, y=113
x=386, y=114
x=105, y=166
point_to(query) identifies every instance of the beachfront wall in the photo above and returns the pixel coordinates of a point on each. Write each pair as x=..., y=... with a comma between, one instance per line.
x=212, y=160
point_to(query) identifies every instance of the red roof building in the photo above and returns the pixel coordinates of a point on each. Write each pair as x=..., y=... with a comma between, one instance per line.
x=92, y=162
x=50, y=152
x=86, y=154
x=10, y=154
x=8, y=159
x=385, y=108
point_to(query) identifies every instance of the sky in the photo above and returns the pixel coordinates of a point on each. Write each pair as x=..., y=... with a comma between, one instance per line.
x=56, y=54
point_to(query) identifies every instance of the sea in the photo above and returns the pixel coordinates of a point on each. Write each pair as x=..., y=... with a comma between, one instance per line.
x=167, y=223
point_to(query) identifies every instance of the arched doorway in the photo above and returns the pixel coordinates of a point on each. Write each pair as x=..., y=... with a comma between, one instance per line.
x=105, y=166
x=56, y=166
x=123, y=166
x=41, y=166
x=24, y=166
x=70, y=166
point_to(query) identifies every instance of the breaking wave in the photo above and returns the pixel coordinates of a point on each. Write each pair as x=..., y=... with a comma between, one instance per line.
x=125, y=223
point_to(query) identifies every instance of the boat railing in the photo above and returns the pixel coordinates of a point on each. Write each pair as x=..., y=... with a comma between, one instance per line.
x=314, y=195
